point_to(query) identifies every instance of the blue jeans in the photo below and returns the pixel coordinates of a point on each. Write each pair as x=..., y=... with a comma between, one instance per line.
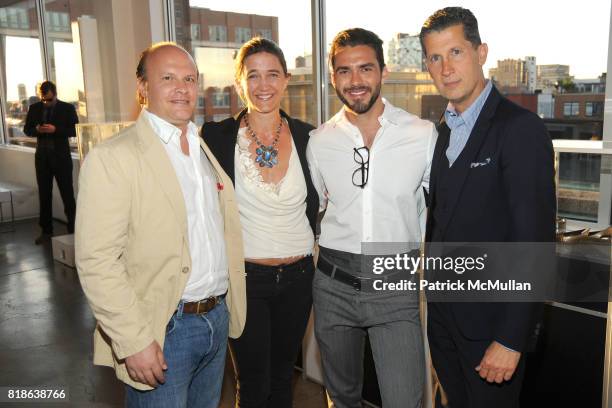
x=194, y=350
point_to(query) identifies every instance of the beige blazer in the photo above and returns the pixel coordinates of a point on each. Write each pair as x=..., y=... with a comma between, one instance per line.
x=131, y=244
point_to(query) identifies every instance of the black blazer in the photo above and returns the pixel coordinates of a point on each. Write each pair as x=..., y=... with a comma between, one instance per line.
x=221, y=139
x=511, y=199
x=64, y=118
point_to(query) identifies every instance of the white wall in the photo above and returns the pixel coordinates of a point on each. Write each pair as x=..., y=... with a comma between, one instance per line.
x=17, y=167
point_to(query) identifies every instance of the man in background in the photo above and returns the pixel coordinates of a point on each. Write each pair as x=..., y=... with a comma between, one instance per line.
x=52, y=122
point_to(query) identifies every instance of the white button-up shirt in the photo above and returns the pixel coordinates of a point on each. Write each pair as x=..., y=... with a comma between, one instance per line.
x=391, y=206
x=209, y=271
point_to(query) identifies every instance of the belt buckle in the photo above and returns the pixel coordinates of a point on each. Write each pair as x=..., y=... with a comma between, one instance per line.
x=357, y=284
x=205, y=301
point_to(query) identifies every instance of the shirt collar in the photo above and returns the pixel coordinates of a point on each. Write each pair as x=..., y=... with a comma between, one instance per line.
x=165, y=130
x=470, y=115
x=390, y=114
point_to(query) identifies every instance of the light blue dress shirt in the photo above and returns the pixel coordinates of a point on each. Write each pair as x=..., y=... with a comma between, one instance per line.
x=461, y=125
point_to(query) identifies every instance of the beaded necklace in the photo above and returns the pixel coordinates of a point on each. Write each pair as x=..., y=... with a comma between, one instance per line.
x=267, y=156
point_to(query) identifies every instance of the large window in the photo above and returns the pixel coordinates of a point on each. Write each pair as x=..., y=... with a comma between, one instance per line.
x=80, y=54
x=66, y=69
x=408, y=81
x=19, y=42
x=562, y=82
x=286, y=23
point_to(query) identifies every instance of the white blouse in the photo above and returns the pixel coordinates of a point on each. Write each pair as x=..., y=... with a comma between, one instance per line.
x=273, y=215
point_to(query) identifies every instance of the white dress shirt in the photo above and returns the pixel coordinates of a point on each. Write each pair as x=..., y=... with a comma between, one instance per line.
x=209, y=273
x=391, y=206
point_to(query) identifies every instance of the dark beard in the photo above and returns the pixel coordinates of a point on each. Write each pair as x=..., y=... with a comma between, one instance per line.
x=360, y=107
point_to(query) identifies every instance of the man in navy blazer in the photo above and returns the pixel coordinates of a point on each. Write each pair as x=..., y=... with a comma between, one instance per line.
x=492, y=180
x=52, y=122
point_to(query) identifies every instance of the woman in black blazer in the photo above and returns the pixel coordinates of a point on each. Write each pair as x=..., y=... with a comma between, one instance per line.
x=263, y=150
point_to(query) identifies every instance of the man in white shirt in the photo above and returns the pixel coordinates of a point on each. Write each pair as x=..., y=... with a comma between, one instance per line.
x=158, y=246
x=369, y=163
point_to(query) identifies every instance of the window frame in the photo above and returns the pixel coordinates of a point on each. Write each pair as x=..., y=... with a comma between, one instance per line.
x=242, y=34
x=571, y=105
x=217, y=29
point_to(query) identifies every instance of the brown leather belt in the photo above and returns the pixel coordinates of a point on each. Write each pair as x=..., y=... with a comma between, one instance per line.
x=202, y=306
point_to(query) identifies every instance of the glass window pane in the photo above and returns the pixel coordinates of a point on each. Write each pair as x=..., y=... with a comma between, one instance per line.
x=286, y=23
x=578, y=190
x=408, y=85
x=19, y=43
x=86, y=64
x=564, y=85
x=65, y=58
x=524, y=65
x=217, y=33
x=243, y=34
x=88, y=58
x=264, y=33
x=195, y=31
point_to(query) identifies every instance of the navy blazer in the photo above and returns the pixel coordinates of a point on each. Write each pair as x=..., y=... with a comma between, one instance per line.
x=221, y=139
x=510, y=199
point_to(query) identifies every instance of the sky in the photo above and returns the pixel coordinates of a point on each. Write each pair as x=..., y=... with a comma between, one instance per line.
x=555, y=32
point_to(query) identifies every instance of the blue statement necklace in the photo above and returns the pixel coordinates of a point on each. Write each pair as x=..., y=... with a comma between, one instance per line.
x=267, y=156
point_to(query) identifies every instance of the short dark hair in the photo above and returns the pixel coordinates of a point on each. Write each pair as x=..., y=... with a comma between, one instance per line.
x=451, y=16
x=357, y=36
x=47, y=86
x=254, y=46
x=141, y=69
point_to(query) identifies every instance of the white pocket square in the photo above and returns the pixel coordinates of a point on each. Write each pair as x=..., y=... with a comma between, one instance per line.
x=479, y=164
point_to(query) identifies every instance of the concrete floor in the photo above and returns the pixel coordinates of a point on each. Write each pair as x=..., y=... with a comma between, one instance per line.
x=46, y=327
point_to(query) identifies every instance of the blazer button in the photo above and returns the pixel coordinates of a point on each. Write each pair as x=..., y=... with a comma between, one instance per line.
x=186, y=269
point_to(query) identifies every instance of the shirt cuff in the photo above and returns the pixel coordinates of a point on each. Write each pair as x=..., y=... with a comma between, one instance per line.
x=507, y=348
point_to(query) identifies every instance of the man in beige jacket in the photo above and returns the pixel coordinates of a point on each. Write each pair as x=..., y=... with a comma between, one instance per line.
x=158, y=246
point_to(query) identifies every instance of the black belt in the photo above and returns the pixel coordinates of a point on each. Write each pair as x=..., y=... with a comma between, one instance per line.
x=356, y=282
x=340, y=275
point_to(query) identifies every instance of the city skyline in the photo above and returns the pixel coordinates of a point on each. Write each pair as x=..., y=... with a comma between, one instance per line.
x=545, y=29
x=509, y=37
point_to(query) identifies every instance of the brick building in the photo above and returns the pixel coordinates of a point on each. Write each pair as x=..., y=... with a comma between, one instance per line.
x=587, y=106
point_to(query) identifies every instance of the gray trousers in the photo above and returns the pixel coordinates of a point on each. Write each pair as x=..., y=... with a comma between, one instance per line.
x=344, y=316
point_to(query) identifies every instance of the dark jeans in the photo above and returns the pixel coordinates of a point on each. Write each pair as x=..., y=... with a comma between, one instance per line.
x=54, y=162
x=278, y=306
